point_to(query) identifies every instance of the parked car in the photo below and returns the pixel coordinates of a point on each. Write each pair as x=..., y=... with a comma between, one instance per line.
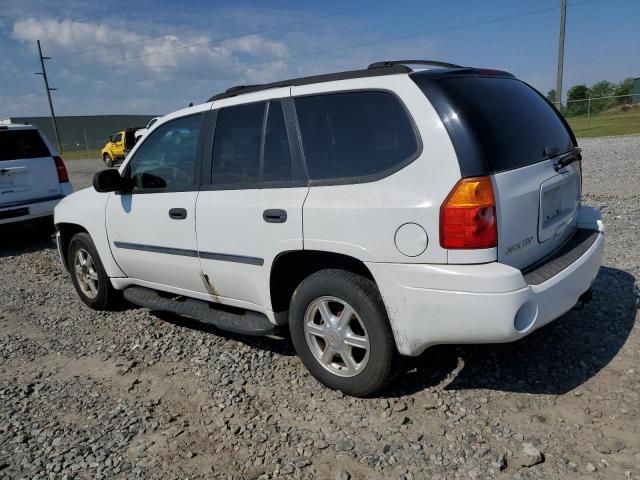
x=143, y=131
x=33, y=178
x=118, y=146
x=377, y=212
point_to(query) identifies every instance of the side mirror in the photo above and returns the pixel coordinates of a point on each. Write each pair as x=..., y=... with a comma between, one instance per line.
x=111, y=138
x=110, y=181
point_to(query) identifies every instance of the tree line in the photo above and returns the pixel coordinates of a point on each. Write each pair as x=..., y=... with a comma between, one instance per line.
x=599, y=89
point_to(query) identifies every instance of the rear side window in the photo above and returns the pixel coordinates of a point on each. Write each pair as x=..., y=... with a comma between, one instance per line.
x=355, y=134
x=277, y=153
x=251, y=145
x=513, y=125
x=19, y=144
x=236, y=145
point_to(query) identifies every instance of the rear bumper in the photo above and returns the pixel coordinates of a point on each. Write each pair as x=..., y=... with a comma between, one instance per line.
x=28, y=211
x=488, y=303
x=32, y=209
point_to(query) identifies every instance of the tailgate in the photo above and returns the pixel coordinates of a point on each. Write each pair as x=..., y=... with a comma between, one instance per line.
x=503, y=128
x=29, y=179
x=537, y=211
x=27, y=169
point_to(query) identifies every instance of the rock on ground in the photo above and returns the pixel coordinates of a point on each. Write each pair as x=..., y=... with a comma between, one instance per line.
x=131, y=394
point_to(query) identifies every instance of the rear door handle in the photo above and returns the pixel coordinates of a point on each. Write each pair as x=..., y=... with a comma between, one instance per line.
x=274, y=215
x=178, y=213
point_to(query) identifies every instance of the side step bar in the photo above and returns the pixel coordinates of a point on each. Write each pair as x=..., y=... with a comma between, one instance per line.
x=232, y=319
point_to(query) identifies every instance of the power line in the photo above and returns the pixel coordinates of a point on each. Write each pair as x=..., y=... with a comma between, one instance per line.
x=254, y=32
x=358, y=45
x=159, y=36
x=368, y=44
x=21, y=79
x=343, y=12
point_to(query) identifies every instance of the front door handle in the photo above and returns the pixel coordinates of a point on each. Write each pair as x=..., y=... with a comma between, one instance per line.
x=178, y=213
x=274, y=215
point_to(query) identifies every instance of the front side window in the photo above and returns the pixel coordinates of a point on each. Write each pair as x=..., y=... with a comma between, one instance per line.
x=167, y=157
x=117, y=138
x=354, y=134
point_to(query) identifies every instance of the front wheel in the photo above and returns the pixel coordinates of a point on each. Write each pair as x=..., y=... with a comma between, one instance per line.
x=340, y=330
x=88, y=274
x=108, y=161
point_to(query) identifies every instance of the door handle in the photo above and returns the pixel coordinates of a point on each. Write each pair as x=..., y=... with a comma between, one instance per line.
x=274, y=215
x=178, y=213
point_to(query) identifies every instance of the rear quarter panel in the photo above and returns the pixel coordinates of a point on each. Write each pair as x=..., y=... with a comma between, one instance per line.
x=361, y=219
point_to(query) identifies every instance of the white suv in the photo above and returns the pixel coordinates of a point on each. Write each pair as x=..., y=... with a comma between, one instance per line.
x=33, y=179
x=377, y=212
x=143, y=131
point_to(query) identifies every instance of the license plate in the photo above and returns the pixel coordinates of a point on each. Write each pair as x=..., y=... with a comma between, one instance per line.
x=558, y=203
x=17, y=212
x=551, y=204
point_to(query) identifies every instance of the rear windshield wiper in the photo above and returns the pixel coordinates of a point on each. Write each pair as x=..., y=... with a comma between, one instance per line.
x=567, y=158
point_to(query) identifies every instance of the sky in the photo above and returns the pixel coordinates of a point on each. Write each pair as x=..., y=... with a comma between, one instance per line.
x=157, y=56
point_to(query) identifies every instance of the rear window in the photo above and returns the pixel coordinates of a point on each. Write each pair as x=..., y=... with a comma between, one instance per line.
x=512, y=123
x=352, y=135
x=18, y=144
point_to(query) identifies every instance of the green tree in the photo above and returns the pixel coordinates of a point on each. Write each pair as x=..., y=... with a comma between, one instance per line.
x=551, y=95
x=574, y=96
x=625, y=87
x=598, y=90
x=602, y=88
x=578, y=92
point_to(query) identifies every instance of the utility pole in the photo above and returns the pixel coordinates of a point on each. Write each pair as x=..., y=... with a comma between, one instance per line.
x=563, y=21
x=49, y=89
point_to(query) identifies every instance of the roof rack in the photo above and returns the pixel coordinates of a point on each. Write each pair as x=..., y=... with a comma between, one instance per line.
x=390, y=67
x=238, y=88
x=432, y=63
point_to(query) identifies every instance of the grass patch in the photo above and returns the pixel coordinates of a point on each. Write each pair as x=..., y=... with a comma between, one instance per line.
x=81, y=154
x=616, y=122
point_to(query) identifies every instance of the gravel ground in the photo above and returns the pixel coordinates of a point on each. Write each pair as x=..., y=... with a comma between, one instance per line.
x=131, y=394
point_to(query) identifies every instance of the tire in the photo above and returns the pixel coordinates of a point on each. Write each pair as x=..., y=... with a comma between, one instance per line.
x=108, y=161
x=365, y=338
x=102, y=296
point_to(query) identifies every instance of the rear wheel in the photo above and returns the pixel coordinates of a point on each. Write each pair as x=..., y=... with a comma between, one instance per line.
x=108, y=161
x=341, y=332
x=88, y=274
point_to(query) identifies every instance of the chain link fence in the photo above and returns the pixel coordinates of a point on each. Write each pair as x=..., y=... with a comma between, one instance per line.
x=83, y=147
x=603, y=116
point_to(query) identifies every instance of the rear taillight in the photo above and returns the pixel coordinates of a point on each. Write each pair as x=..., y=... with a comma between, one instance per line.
x=468, y=215
x=63, y=176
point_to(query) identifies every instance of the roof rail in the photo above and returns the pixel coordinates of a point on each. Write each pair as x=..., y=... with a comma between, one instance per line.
x=328, y=77
x=237, y=88
x=433, y=63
